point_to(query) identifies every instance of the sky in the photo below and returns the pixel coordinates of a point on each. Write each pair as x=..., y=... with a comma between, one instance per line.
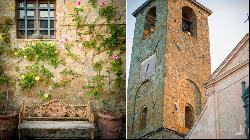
x=226, y=27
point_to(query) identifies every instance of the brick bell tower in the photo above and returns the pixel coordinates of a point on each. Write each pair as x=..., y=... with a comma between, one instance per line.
x=170, y=62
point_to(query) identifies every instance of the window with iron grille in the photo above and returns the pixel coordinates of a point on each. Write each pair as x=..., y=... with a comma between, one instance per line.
x=36, y=17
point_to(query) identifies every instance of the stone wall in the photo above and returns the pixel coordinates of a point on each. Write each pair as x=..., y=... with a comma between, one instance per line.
x=150, y=93
x=73, y=91
x=187, y=65
x=182, y=66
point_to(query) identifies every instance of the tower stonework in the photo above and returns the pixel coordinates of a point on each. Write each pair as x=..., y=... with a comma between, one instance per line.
x=169, y=64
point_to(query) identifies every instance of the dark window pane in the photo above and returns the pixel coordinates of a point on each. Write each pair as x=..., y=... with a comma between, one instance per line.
x=52, y=32
x=21, y=34
x=30, y=13
x=43, y=5
x=44, y=32
x=44, y=13
x=21, y=24
x=52, y=14
x=52, y=25
x=30, y=24
x=21, y=4
x=21, y=13
x=30, y=33
x=44, y=24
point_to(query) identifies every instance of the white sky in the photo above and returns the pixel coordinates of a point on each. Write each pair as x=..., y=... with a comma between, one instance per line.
x=226, y=27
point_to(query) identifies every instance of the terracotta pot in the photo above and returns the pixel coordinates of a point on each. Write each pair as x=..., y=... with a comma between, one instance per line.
x=110, y=125
x=8, y=125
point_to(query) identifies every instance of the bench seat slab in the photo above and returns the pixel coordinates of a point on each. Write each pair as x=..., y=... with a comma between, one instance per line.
x=56, y=125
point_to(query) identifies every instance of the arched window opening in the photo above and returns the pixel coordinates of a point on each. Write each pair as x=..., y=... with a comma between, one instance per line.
x=189, y=21
x=188, y=117
x=197, y=95
x=150, y=19
x=144, y=118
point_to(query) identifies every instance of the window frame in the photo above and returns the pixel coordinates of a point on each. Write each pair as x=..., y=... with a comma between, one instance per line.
x=37, y=19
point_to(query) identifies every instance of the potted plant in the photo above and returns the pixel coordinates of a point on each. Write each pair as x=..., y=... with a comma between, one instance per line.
x=110, y=117
x=105, y=44
x=8, y=117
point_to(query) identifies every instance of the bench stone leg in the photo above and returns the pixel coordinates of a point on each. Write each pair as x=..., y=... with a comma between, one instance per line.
x=91, y=134
x=19, y=134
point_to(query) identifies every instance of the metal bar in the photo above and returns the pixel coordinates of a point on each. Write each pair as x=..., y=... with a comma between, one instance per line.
x=25, y=20
x=45, y=8
x=49, y=18
x=37, y=22
x=47, y=29
x=29, y=8
x=43, y=18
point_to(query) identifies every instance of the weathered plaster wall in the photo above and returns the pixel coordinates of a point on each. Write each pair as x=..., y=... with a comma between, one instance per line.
x=191, y=62
x=73, y=92
x=223, y=116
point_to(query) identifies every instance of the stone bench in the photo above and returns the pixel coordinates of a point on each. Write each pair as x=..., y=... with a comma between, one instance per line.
x=56, y=119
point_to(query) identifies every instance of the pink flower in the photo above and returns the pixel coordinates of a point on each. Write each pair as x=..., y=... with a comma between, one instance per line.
x=66, y=39
x=78, y=3
x=102, y=2
x=115, y=57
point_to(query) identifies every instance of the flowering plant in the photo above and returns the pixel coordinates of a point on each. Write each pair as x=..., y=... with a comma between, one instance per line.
x=39, y=51
x=76, y=15
x=113, y=44
x=4, y=45
x=95, y=86
x=44, y=96
x=102, y=3
x=34, y=74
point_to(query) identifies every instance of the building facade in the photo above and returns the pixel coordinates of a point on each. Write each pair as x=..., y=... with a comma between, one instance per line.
x=225, y=115
x=55, y=22
x=170, y=62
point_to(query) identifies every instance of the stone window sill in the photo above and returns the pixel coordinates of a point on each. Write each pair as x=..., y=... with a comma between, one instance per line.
x=28, y=40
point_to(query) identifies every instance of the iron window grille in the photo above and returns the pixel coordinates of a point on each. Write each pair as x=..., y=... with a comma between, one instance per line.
x=36, y=17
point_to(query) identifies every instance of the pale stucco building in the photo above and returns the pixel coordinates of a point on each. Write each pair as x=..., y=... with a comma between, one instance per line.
x=224, y=115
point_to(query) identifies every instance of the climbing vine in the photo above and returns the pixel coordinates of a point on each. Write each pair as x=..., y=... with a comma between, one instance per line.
x=4, y=45
x=39, y=51
x=113, y=43
x=34, y=74
x=110, y=44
